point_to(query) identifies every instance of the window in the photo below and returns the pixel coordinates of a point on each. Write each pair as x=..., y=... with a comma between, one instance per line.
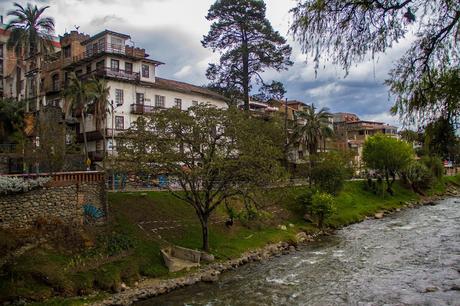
x=139, y=98
x=119, y=123
x=129, y=67
x=66, y=51
x=100, y=65
x=1, y=50
x=145, y=71
x=159, y=101
x=117, y=44
x=178, y=103
x=95, y=47
x=194, y=103
x=55, y=82
x=88, y=68
x=119, y=96
x=114, y=65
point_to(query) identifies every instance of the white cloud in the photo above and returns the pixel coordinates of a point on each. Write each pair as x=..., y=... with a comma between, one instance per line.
x=171, y=31
x=185, y=71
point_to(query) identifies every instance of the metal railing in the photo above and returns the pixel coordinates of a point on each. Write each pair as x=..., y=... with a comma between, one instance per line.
x=77, y=176
x=112, y=73
x=139, y=109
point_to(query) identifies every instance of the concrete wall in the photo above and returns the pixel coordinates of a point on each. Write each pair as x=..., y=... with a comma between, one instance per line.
x=63, y=202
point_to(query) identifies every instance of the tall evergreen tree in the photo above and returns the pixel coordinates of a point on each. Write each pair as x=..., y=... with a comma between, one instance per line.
x=248, y=44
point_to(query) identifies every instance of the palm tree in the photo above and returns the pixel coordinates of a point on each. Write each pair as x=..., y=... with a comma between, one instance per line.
x=77, y=94
x=99, y=92
x=312, y=127
x=31, y=33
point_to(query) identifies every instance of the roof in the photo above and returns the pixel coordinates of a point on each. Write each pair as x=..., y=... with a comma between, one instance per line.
x=103, y=33
x=186, y=88
x=151, y=61
x=296, y=102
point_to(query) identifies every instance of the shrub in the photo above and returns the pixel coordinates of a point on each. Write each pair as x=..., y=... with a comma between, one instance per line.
x=305, y=198
x=418, y=176
x=434, y=164
x=330, y=171
x=13, y=185
x=322, y=207
x=118, y=243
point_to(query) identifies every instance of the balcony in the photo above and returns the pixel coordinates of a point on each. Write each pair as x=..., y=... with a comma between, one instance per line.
x=97, y=135
x=118, y=74
x=140, y=109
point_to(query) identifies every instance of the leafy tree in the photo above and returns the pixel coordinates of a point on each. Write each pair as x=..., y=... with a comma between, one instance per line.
x=435, y=165
x=211, y=154
x=322, y=207
x=330, y=171
x=418, y=175
x=347, y=31
x=77, y=94
x=311, y=128
x=48, y=151
x=274, y=91
x=11, y=118
x=440, y=139
x=248, y=43
x=425, y=100
x=387, y=155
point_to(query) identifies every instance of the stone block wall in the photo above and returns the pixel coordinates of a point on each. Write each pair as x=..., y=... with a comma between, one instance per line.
x=65, y=202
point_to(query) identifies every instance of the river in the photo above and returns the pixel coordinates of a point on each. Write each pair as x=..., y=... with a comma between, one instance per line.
x=409, y=258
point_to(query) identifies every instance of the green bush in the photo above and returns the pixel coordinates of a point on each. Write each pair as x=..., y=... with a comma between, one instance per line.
x=330, y=171
x=118, y=243
x=322, y=207
x=305, y=198
x=418, y=175
x=434, y=164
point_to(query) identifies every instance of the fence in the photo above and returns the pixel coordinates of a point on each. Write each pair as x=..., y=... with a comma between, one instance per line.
x=77, y=177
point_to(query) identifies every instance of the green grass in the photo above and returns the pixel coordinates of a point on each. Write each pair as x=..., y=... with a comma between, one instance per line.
x=354, y=203
x=49, y=273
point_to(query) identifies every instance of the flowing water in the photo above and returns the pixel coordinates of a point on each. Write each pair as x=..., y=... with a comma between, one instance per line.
x=409, y=258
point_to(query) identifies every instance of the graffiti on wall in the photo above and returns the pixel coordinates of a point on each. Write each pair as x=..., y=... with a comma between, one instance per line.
x=92, y=213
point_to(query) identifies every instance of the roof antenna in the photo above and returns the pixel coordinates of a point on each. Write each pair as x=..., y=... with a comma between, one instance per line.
x=77, y=27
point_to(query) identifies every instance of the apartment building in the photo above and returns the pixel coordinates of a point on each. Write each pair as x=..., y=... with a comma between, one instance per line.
x=351, y=132
x=135, y=88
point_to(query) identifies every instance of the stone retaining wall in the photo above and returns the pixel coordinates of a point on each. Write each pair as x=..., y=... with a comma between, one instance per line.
x=64, y=202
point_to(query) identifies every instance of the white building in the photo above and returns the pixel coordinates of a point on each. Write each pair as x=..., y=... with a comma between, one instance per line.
x=135, y=88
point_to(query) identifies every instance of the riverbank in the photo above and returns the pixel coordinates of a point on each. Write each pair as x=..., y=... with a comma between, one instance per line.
x=152, y=288
x=127, y=261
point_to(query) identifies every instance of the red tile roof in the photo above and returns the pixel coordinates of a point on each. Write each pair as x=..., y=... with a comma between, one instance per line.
x=186, y=88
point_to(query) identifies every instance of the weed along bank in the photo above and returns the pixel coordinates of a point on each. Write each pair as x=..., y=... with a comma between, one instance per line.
x=70, y=198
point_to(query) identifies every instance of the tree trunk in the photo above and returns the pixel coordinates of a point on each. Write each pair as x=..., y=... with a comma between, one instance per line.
x=389, y=184
x=245, y=59
x=85, y=141
x=205, y=232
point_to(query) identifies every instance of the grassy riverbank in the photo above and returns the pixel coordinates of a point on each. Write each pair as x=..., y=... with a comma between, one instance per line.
x=141, y=223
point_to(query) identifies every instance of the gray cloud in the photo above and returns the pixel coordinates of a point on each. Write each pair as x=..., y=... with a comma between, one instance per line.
x=178, y=45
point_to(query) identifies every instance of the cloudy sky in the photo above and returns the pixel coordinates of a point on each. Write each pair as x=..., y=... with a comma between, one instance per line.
x=171, y=31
